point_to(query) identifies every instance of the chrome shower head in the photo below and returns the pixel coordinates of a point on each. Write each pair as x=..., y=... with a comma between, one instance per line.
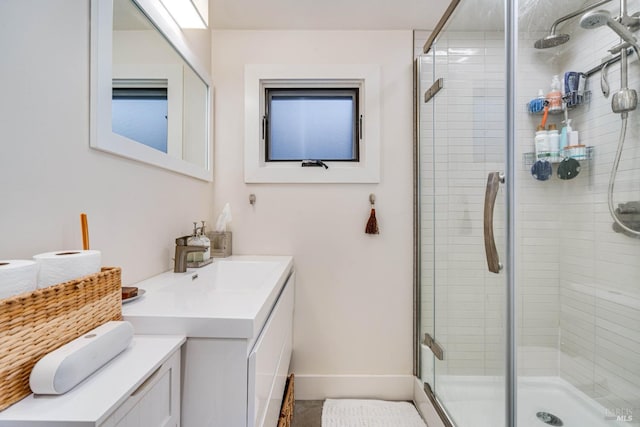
x=598, y=18
x=595, y=19
x=625, y=99
x=552, y=40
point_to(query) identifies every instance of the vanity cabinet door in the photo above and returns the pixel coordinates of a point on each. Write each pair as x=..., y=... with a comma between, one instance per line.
x=266, y=360
x=155, y=403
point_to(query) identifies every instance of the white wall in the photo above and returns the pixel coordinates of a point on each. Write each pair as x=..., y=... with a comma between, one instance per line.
x=48, y=173
x=353, y=312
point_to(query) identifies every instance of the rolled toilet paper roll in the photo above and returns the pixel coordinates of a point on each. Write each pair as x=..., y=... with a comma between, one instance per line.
x=64, y=368
x=62, y=266
x=17, y=276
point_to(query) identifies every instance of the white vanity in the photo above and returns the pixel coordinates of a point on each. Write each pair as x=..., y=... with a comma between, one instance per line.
x=138, y=388
x=237, y=315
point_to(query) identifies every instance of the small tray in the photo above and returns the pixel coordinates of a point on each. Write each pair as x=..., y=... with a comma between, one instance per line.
x=140, y=293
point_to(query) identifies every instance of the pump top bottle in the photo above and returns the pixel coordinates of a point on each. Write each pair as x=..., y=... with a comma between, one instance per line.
x=555, y=95
x=198, y=238
x=542, y=144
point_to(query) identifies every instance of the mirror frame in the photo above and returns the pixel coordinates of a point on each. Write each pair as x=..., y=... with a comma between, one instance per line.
x=101, y=135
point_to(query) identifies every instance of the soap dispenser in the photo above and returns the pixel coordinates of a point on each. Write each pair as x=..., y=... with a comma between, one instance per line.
x=198, y=239
x=204, y=239
x=555, y=95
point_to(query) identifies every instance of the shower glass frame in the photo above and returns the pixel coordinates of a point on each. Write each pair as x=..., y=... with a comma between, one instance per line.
x=571, y=314
x=435, y=373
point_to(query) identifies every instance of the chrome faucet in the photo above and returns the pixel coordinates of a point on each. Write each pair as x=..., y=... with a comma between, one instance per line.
x=182, y=249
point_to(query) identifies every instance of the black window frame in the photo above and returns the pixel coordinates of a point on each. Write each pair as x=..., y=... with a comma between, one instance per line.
x=142, y=93
x=319, y=93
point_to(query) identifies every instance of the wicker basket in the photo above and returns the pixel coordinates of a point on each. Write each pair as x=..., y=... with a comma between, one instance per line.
x=35, y=323
x=286, y=412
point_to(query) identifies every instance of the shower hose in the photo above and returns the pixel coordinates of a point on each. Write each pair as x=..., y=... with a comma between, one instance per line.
x=612, y=178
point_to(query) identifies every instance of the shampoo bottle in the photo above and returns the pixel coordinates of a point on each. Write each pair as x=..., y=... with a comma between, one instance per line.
x=554, y=143
x=542, y=144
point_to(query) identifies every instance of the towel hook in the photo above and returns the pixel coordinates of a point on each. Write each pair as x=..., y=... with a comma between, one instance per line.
x=372, y=199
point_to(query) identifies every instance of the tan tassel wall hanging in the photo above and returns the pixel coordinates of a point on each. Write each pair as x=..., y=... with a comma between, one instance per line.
x=372, y=224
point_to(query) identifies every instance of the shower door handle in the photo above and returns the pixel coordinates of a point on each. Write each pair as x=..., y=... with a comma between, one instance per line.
x=493, y=185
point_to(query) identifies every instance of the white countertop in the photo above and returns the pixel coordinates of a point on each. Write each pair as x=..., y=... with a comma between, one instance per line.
x=91, y=401
x=230, y=298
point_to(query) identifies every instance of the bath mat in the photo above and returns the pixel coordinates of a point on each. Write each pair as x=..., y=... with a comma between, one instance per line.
x=369, y=413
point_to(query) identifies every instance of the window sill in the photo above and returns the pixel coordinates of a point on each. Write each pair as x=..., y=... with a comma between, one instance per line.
x=293, y=172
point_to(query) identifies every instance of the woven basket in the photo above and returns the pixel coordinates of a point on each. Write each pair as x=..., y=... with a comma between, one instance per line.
x=35, y=323
x=286, y=412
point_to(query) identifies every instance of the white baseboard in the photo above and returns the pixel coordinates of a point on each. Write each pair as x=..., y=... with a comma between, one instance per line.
x=384, y=387
x=424, y=406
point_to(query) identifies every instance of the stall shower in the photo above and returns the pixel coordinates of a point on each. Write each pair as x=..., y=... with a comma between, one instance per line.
x=528, y=225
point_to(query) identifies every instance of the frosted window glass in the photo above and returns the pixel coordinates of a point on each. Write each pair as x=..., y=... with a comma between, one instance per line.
x=142, y=120
x=311, y=127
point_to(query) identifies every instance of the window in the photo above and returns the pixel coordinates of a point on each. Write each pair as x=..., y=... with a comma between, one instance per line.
x=327, y=113
x=141, y=114
x=320, y=124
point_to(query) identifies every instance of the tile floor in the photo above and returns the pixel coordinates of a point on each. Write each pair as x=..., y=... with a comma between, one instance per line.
x=307, y=413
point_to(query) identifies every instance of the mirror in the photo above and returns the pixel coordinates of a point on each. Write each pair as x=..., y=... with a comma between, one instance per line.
x=150, y=97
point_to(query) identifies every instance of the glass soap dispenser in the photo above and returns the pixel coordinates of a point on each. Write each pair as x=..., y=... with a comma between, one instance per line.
x=198, y=238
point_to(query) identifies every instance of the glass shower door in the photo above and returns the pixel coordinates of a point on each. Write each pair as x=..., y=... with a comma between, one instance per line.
x=462, y=146
x=425, y=223
x=572, y=300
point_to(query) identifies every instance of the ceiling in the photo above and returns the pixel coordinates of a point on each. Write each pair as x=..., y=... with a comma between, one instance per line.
x=325, y=14
x=471, y=15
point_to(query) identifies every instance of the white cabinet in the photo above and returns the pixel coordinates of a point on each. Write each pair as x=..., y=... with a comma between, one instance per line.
x=268, y=364
x=138, y=388
x=155, y=403
x=240, y=382
x=237, y=315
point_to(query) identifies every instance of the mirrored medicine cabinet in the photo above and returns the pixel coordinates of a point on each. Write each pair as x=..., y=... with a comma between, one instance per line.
x=150, y=96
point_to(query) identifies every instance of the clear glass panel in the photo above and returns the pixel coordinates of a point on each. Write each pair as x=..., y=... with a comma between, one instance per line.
x=311, y=127
x=427, y=125
x=577, y=272
x=467, y=144
x=577, y=279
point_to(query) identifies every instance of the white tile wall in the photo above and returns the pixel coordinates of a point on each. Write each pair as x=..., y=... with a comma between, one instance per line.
x=578, y=281
x=600, y=275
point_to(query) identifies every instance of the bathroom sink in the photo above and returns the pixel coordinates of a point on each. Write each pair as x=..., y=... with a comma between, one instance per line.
x=229, y=298
x=242, y=276
x=221, y=276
